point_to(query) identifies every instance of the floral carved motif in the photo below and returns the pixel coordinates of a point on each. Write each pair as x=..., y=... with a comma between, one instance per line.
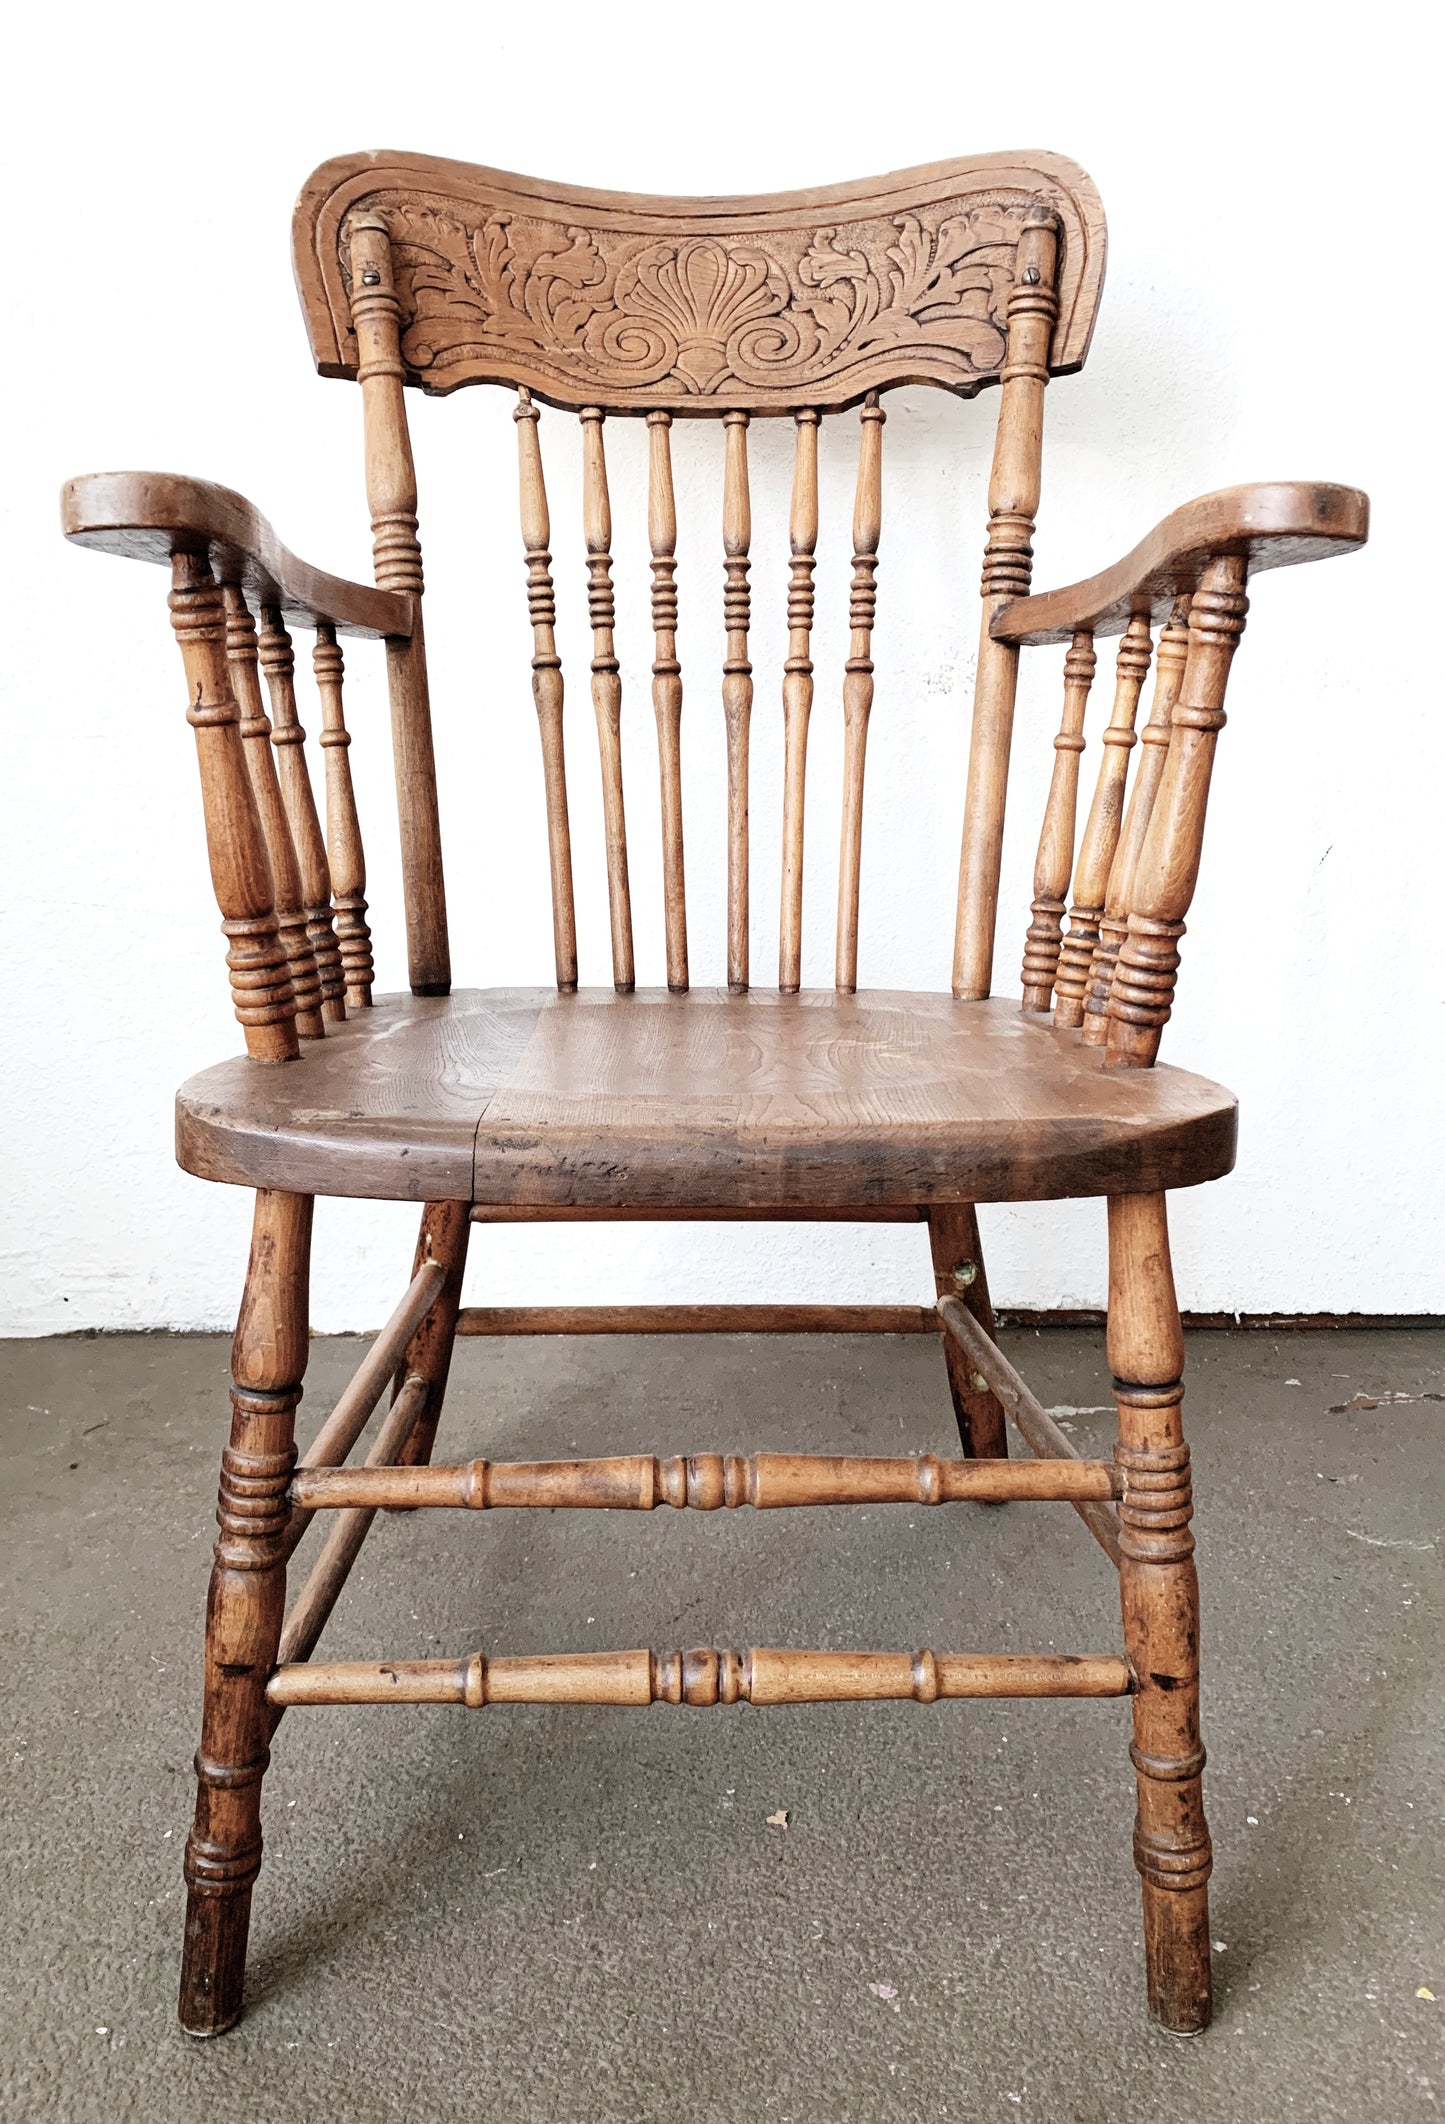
x=634, y=318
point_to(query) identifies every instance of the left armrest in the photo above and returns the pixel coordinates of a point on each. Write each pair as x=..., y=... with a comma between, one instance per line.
x=1272, y=525
x=152, y=516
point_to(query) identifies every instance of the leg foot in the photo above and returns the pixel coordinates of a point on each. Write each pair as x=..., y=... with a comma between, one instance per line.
x=1159, y=1591
x=243, y=1613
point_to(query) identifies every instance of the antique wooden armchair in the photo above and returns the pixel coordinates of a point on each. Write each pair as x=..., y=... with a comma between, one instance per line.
x=620, y=1102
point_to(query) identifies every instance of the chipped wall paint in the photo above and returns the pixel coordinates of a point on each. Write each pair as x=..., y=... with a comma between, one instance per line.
x=1240, y=337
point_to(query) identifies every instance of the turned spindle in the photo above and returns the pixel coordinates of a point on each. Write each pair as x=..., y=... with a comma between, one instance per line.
x=1142, y=994
x=606, y=690
x=261, y=991
x=737, y=685
x=1055, y=858
x=288, y=739
x=1170, y=655
x=280, y=850
x=667, y=688
x=346, y=859
x=1013, y=500
x=797, y=695
x=858, y=683
x=376, y=316
x=547, y=689
x=1101, y=829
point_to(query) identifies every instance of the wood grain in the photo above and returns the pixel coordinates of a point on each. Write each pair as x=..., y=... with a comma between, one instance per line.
x=704, y=1482
x=536, y=1099
x=797, y=695
x=698, y=305
x=547, y=684
x=1273, y=525
x=151, y=515
x=702, y=1677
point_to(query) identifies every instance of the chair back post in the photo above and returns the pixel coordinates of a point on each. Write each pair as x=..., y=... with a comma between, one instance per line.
x=1142, y=994
x=261, y=989
x=1013, y=500
x=396, y=549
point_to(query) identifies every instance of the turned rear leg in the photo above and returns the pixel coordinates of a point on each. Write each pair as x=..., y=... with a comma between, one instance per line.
x=958, y=1272
x=243, y=1614
x=445, y=1230
x=1160, y=1595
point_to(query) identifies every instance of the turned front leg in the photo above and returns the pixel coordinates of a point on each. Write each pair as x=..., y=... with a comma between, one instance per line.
x=1160, y=1594
x=244, y=1612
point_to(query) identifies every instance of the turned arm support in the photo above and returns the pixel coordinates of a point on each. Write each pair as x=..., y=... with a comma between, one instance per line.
x=1202, y=557
x=1274, y=525
x=152, y=516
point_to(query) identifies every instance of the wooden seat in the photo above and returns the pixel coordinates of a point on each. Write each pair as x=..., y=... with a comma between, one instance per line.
x=979, y=274
x=530, y=1098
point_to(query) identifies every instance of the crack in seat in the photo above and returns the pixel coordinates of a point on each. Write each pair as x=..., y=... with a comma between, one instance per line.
x=528, y=1097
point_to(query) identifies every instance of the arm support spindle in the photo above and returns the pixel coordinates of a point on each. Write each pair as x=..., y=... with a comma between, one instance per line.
x=1101, y=831
x=278, y=662
x=346, y=858
x=261, y=990
x=1055, y=857
x=1173, y=648
x=1143, y=988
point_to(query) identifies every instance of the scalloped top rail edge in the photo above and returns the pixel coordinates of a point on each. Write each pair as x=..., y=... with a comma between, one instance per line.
x=698, y=306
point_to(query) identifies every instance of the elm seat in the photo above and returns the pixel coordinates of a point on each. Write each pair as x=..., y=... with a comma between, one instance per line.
x=524, y=1096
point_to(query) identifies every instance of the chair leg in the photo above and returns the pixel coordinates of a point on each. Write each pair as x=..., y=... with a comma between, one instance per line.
x=958, y=1272
x=445, y=1229
x=244, y=1611
x=1160, y=1594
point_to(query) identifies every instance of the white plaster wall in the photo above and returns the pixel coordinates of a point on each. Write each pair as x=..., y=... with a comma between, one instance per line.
x=1266, y=315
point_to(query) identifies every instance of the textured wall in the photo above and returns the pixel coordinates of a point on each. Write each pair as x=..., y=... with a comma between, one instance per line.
x=1261, y=319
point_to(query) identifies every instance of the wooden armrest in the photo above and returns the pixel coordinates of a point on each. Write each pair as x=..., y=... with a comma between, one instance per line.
x=1273, y=525
x=151, y=515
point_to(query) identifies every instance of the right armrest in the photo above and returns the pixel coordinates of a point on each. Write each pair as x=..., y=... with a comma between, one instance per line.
x=153, y=515
x=1269, y=525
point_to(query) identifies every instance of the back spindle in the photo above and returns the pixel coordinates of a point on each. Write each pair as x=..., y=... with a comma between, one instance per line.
x=280, y=853
x=346, y=858
x=1055, y=858
x=288, y=738
x=858, y=683
x=1101, y=830
x=797, y=696
x=737, y=686
x=606, y=690
x=1170, y=654
x=1144, y=976
x=261, y=991
x=667, y=688
x=547, y=684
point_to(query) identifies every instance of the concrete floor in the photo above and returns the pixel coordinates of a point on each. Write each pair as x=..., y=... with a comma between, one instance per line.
x=584, y=1914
